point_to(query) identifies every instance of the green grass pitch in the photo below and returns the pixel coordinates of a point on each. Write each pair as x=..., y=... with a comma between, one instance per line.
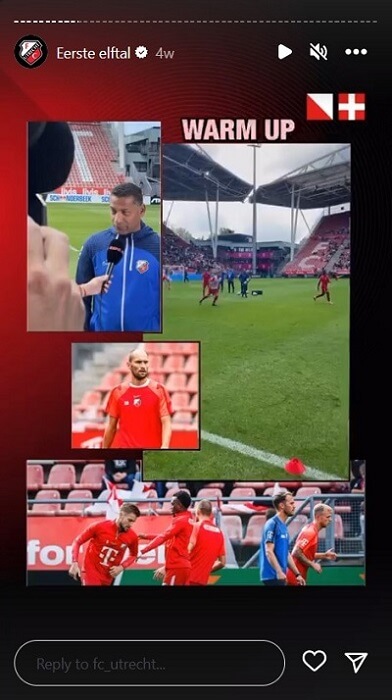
x=275, y=377
x=79, y=221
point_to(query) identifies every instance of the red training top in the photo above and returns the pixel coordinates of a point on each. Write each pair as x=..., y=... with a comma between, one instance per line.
x=106, y=547
x=210, y=545
x=139, y=410
x=177, y=537
x=307, y=542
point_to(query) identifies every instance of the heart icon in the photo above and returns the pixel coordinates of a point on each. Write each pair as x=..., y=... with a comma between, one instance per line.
x=314, y=659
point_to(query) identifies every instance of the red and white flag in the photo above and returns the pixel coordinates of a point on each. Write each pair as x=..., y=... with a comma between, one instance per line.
x=351, y=106
x=319, y=106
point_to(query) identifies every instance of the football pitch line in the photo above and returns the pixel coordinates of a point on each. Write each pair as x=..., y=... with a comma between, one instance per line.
x=262, y=456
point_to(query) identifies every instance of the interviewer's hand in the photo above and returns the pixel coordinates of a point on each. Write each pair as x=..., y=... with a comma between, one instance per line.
x=54, y=301
x=97, y=285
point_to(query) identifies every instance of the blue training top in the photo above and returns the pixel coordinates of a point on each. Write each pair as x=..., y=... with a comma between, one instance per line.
x=133, y=301
x=274, y=531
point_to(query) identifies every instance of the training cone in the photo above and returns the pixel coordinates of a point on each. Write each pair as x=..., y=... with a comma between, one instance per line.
x=295, y=466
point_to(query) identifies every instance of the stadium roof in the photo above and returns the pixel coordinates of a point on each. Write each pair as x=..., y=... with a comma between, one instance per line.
x=324, y=182
x=189, y=174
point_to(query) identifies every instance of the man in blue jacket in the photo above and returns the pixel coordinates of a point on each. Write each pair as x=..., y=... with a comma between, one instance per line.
x=133, y=300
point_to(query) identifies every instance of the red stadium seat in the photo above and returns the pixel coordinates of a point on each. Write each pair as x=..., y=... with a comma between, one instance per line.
x=233, y=526
x=109, y=381
x=90, y=398
x=61, y=477
x=157, y=377
x=254, y=529
x=248, y=493
x=180, y=401
x=182, y=417
x=91, y=477
x=157, y=348
x=256, y=485
x=193, y=384
x=35, y=477
x=72, y=508
x=173, y=363
x=210, y=494
x=192, y=364
x=306, y=491
x=176, y=382
x=194, y=403
x=46, y=508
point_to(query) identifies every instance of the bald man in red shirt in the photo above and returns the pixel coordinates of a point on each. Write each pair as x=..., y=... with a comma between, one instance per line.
x=139, y=411
x=206, y=546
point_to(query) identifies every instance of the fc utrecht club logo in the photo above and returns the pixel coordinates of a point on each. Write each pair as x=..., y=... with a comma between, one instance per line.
x=142, y=266
x=31, y=51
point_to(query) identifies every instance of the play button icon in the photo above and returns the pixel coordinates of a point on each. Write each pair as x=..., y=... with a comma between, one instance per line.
x=284, y=51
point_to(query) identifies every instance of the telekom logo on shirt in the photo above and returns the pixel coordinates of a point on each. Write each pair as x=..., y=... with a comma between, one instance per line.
x=107, y=554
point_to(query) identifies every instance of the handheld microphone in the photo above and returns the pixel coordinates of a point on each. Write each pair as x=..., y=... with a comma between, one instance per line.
x=114, y=255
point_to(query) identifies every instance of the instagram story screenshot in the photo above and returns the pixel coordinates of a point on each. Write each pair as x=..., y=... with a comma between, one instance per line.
x=196, y=237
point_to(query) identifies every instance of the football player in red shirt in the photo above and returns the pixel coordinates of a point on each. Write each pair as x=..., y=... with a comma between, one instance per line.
x=305, y=553
x=177, y=561
x=108, y=541
x=206, y=279
x=206, y=546
x=212, y=290
x=139, y=410
x=323, y=282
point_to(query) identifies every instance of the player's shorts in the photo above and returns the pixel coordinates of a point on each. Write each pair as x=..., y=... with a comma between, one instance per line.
x=214, y=292
x=91, y=578
x=177, y=577
x=324, y=290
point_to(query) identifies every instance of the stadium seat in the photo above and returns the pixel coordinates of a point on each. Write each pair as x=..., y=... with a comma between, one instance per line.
x=93, y=165
x=268, y=491
x=182, y=417
x=296, y=525
x=256, y=485
x=90, y=398
x=46, y=508
x=182, y=348
x=157, y=377
x=173, y=363
x=210, y=494
x=254, y=529
x=306, y=491
x=194, y=404
x=176, y=382
x=248, y=493
x=72, y=508
x=232, y=525
x=35, y=477
x=61, y=477
x=91, y=477
x=193, y=384
x=156, y=348
x=192, y=364
x=180, y=401
x=109, y=381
